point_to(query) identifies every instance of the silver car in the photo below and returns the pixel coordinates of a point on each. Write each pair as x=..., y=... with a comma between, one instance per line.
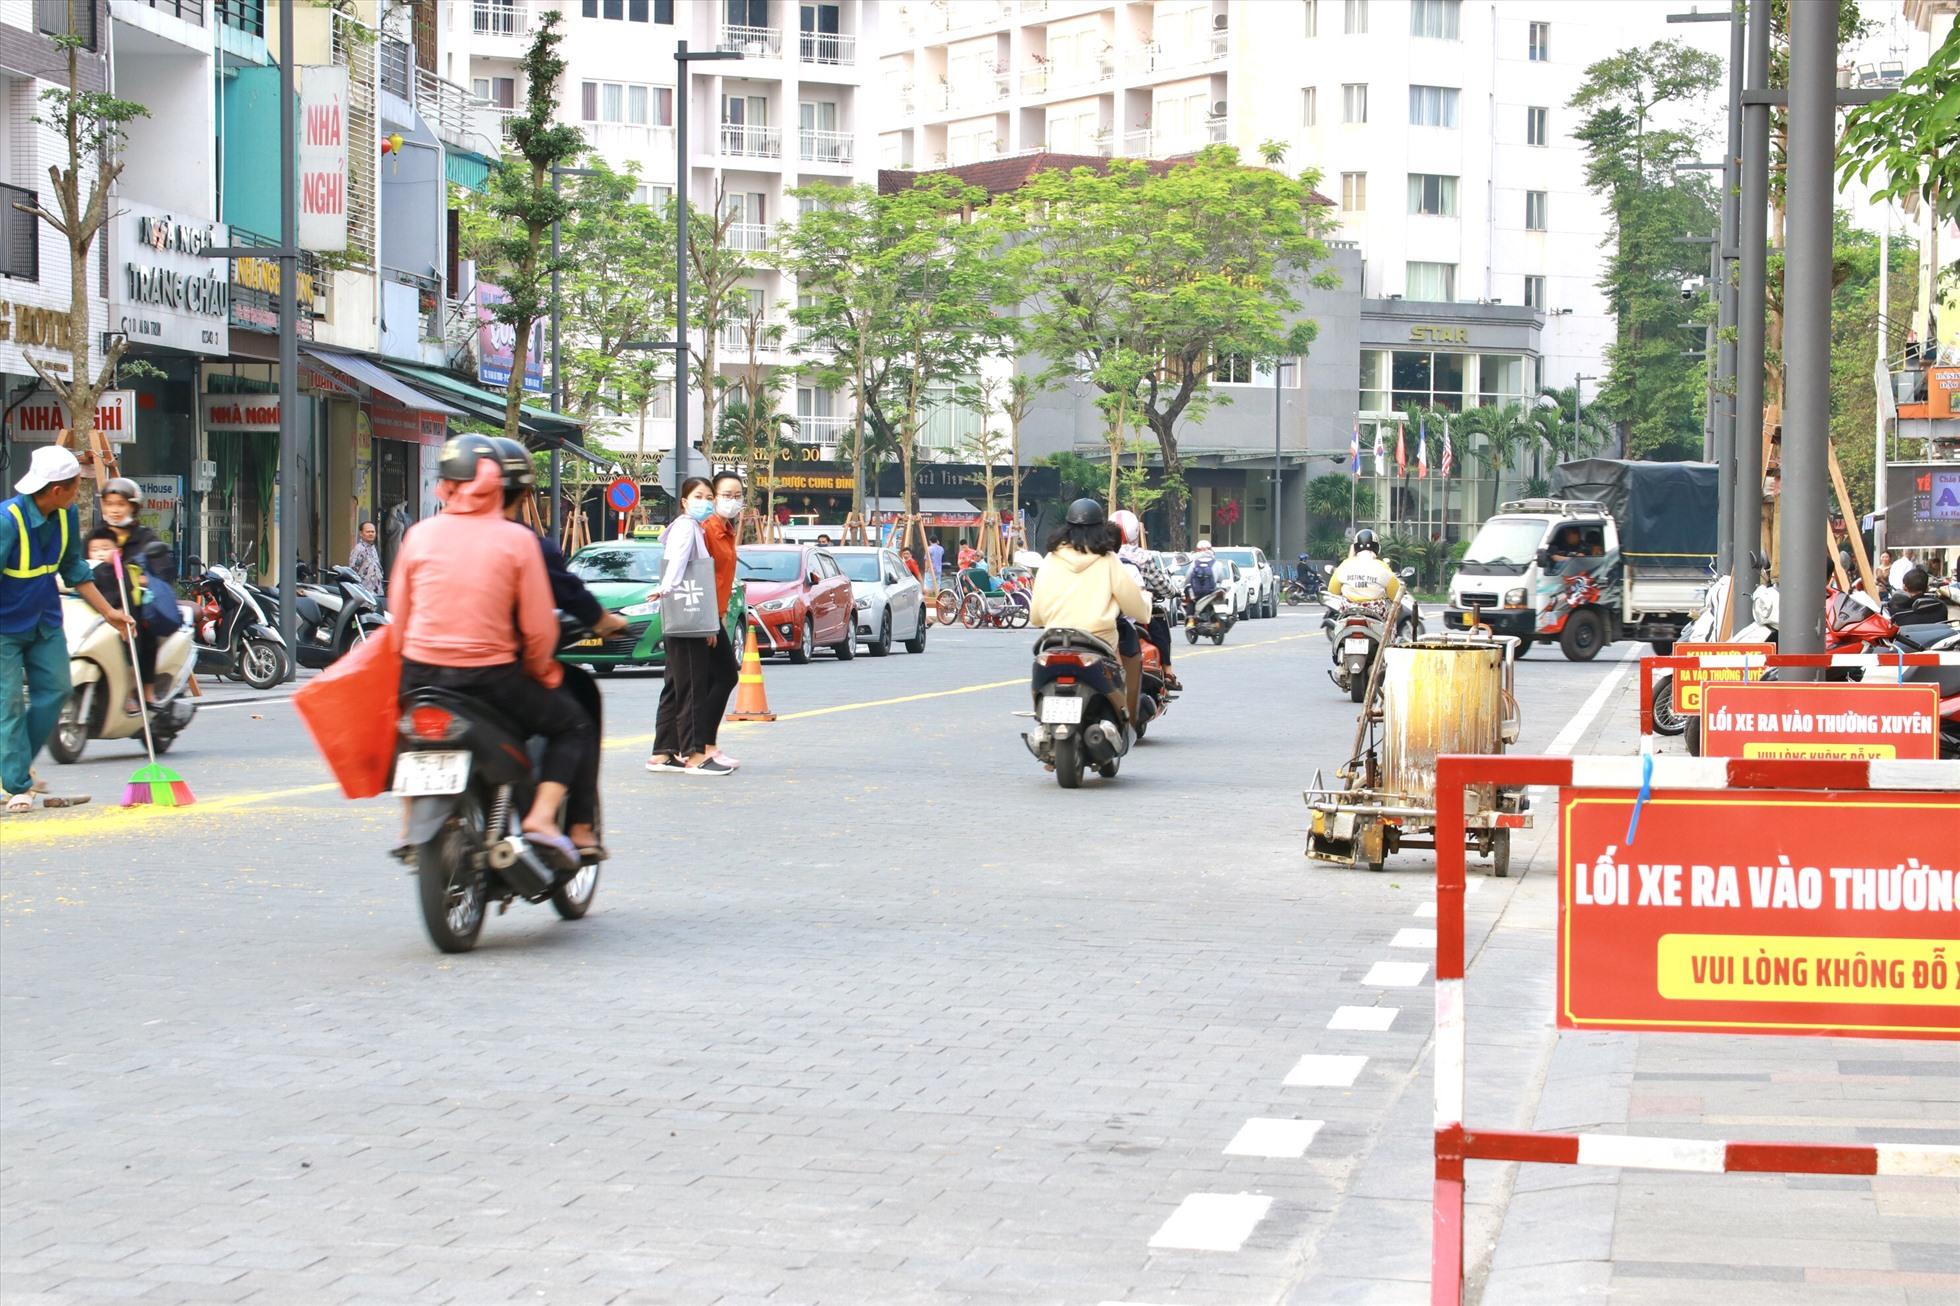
x=889, y=603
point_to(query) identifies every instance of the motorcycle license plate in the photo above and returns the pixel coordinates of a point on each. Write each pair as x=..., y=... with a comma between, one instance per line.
x=1357, y=645
x=1061, y=711
x=420, y=774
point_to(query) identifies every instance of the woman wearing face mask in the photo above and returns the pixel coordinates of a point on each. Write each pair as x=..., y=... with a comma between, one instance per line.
x=694, y=695
x=151, y=600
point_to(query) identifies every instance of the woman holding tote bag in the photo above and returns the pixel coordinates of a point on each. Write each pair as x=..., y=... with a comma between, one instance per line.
x=690, y=627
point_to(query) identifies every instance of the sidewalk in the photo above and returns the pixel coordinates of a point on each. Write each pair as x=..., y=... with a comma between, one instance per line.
x=1573, y=1234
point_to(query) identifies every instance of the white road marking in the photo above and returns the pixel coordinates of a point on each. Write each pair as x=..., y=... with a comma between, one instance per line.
x=1562, y=744
x=1395, y=974
x=1284, y=1139
x=1372, y=1019
x=1318, y=1070
x=1426, y=911
x=1212, y=1222
x=1414, y=938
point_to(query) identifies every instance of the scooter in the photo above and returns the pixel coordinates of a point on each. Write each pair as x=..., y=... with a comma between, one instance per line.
x=1154, y=697
x=1359, y=628
x=334, y=615
x=1081, y=719
x=234, y=637
x=1210, y=615
x=469, y=776
x=105, y=684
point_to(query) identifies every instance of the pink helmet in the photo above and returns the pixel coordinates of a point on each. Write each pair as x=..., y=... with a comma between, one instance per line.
x=1126, y=521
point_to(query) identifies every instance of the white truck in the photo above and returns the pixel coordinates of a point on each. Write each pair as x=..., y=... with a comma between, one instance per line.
x=1623, y=550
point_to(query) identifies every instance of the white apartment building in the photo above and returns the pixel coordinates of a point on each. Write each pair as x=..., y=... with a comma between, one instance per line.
x=792, y=111
x=1439, y=127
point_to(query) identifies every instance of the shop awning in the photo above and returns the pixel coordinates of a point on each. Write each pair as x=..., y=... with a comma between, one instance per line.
x=937, y=512
x=466, y=168
x=488, y=405
x=356, y=368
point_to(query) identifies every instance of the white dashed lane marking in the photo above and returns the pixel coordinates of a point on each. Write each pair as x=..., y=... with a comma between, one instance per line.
x=1372, y=1019
x=1395, y=974
x=1319, y=1070
x=1286, y=1139
x=1212, y=1222
x=1426, y=911
x=1414, y=938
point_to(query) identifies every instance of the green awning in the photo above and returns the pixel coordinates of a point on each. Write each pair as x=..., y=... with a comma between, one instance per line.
x=466, y=168
x=488, y=405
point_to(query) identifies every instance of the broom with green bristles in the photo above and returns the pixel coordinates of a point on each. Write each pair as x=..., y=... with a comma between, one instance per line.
x=153, y=784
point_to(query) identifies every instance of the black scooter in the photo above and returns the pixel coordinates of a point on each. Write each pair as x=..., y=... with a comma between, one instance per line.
x=470, y=776
x=234, y=637
x=335, y=613
x=1081, y=719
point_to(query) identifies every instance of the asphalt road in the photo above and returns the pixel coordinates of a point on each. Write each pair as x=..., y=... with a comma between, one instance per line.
x=886, y=1016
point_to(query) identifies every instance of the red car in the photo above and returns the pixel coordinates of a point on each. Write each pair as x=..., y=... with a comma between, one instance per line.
x=798, y=600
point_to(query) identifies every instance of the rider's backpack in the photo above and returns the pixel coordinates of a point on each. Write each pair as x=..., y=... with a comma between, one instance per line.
x=1203, y=581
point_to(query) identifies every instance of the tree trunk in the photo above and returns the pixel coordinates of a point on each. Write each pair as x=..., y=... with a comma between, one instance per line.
x=857, y=427
x=1175, y=498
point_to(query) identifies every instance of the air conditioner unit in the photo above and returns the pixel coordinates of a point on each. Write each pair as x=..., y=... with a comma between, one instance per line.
x=1219, y=22
x=1218, y=108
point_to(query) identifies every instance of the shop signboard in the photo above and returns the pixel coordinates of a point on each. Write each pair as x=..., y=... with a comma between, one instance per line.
x=240, y=412
x=255, y=296
x=39, y=419
x=1816, y=720
x=1922, y=505
x=322, y=158
x=932, y=480
x=167, y=290
x=1689, y=680
x=496, y=344
x=393, y=422
x=163, y=503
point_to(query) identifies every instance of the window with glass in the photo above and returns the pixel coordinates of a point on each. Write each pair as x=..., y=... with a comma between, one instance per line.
x=745, y=13
x=1537, y=126
x=1395, y=380
x=1541, y=42
x=1309, y=105
x=1312, y=8
x=1432, y=106
x=1503, y=378
x=1355, y=18
x=1432, y=194
x=63, y=18
x=1431, y=282
x=1354, y=192
x=1354, y=102
x=1534, y=292
x=627, y=102
x=1233, y=369
x=1073, y=132
x=1437, y=19
x=653, y=196
x=1534, y=210
x=500, y=91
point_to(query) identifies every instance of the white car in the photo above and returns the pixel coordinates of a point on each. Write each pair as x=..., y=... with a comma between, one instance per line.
x=887, y=600
x=1264, y=585
x=1230, y=578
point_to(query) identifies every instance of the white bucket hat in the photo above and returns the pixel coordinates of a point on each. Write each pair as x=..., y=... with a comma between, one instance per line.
x=49, y=466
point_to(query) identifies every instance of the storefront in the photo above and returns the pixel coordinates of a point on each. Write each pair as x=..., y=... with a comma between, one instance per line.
x=393, y=434
x=951, y=495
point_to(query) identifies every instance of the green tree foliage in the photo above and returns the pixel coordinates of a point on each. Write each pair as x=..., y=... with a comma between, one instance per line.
x=1080, y=478
x=1179, y=269
x=1910, y=140
x=93, y=125
x=1854, y=345
x=618, y=289
x=523, y=207
x=1652, y=386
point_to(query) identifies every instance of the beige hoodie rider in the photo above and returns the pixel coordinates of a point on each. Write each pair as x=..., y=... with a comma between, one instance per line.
x=1086, y=592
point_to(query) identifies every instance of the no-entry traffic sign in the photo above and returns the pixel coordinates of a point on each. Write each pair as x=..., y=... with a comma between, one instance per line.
x=622, y=495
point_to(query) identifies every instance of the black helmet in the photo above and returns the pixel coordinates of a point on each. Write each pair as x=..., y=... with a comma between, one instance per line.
x=127, y=488
x=1085, y=512
x=1365, y=542
x=520, y=474
x=463, y=452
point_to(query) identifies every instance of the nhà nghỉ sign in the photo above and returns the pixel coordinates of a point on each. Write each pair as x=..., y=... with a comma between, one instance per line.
x=1766, y=912
x=1815, y=720
x=1689, y=680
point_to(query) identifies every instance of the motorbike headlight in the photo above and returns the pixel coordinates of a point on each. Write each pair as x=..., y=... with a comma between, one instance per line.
x=648, y=609
x=773, y=605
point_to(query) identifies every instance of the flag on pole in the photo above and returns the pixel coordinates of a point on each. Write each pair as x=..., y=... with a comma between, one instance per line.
x=1449, y=455
x=1354, y=450
x=1401, y=450
x=1381, y=461
x=1422, y=447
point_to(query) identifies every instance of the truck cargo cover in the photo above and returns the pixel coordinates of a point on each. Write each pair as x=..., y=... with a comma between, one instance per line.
x=1667, y=512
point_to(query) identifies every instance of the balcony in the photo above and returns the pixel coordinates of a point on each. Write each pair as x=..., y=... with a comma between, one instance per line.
x=191, y=11
x=626, y=138
x=732, y=340
x=1029, y=8
x=496, y=17
x=1082, y=76
x=1170, y=142
x=967, y=92
x=459, y=118
x=248, y=16
x=1034, y=81
x=748, y=237
x=741, y=142
x=752, y=42
x=825, y=432
x=830, y=48
x=825, y=147
x=1159, y=57
x=977, y=13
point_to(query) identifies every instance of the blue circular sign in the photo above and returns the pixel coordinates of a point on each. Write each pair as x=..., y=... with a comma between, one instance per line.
x=622, y=495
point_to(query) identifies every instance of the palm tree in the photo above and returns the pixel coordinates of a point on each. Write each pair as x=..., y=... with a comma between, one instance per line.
x=1555, y=419
x=1504, y=433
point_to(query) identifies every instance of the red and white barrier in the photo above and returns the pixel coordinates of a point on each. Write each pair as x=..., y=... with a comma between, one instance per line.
x=1751, y=661
x=1456, y=1143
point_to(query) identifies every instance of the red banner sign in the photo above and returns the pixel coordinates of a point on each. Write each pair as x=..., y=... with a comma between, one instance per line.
x=1783, y=719
x=1764, y=913
x=1689, y=680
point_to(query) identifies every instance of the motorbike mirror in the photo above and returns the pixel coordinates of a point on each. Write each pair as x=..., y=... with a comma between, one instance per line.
x=1544, y=558
x=1758, y=561
x=1327, y=569
x=1408, y=573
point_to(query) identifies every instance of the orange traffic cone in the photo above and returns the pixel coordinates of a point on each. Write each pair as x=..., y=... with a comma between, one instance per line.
x=751, y=700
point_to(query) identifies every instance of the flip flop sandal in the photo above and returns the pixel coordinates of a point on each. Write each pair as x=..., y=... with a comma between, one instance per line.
x=18, y=804
x=557, y=851
x=403, y=853
x=591, y=854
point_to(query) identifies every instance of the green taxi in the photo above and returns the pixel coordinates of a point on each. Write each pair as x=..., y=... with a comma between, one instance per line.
x=622, y=575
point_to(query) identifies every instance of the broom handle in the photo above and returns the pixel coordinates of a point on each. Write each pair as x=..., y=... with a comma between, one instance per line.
x=135, y=662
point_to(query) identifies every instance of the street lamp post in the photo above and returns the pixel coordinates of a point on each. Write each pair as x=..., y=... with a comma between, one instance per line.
x=682, y=58
x=1279, y=368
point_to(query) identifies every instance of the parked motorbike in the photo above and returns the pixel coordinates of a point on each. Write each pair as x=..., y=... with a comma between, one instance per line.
x=1357, y=629
x=469, y=776
x=1209, y=615
x=233, y=636
x=1081, y=719
x=106, y=685
x=334, y=614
